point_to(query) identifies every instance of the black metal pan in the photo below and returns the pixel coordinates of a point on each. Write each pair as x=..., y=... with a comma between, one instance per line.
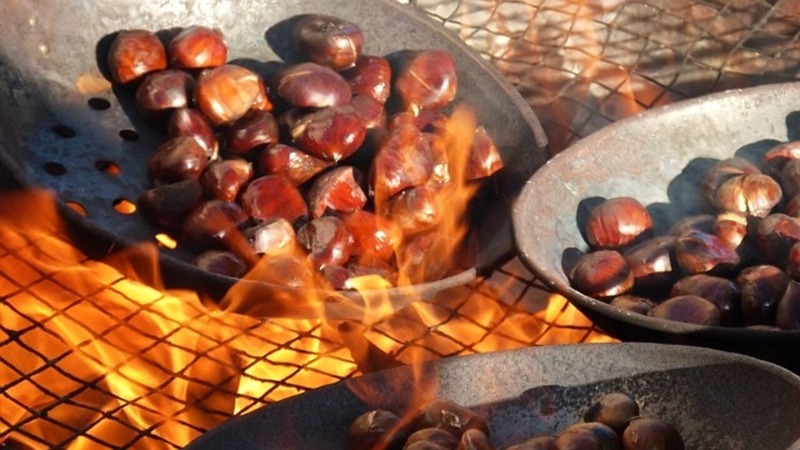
x=717, y=400
x=62, y=127
x=660, y=158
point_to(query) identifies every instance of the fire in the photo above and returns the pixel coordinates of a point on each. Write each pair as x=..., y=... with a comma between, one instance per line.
x=99, y=353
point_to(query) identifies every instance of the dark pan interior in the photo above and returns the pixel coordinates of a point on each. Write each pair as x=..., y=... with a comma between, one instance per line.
x=658, y=157
x=717, y=400
x=60, y=126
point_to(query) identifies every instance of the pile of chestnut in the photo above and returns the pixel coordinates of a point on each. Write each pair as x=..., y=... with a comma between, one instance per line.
x=307, y=165
x=613, y=422
x=737, y=266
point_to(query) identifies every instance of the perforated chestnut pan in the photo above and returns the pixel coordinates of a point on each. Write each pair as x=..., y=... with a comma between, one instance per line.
x=62, y=126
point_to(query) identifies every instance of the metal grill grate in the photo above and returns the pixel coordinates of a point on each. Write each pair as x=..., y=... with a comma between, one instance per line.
x=92, y=357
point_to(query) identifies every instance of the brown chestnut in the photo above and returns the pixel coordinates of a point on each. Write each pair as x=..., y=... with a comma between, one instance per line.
x=294, y=164
x=329, y=40
x=787, y=315
x=163, y=91
x=614, y=410
x=775, y=235
x=449, y=416
x=427, y=80
x=257, y=128
x=331, y=133
x=327, y=241
x=484, y=157
x=213, y=223
x=699, y=222
x=731, y=228
x=588, y=436
x=198, y=47
x=431, y=439
x=221, y=262
x=722, y=292
x=310, y=85
x=602, y=274
x=179, y=158
x=650, y=433
x=370, y=77
x=377, y=428
x=271, y=237
x=273, y=196
x=761, y=288
x=168, y=204
x=415, y=210
x=651, y=262
x=403, y=160
x=374, y=237
x=721, y=172
x=753, y=194
x=698, y=252
x=618, y=222
x=473, y=439
x=192, y=123
x=687, y=309
x=777, y=157
x=225, y=93
x=134, y=53
x=337, y=190
x=224, y=178
x=789, y=178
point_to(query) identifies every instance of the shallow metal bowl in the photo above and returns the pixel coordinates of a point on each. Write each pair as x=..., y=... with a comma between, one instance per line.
x=658, y=157
x=717, y=400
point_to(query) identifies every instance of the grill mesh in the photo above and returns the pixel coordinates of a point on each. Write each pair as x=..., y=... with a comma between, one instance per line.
x=91, y=356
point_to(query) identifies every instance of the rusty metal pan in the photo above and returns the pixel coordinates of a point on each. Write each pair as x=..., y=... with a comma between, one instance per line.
x=658, y=157
x=717, y=400
x=62, y=126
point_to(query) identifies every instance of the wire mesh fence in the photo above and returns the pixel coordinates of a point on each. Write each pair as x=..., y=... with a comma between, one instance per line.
x=91, y=357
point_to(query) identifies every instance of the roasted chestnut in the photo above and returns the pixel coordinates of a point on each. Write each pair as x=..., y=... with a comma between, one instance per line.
x=449, y=416
x=722, y=292
x=698, y=252
x=329, y=40
x=225, y=93
x=633, y=303
x=374, y=429
x=761, y=288
x=431, y=438
x=192, y=123
x=427, y=80
x=403, y=160
x=213, y=224
x=787, y=315
x=776, y=158
x=651, y=262
x=163, y=91
x=602, y=274
x=687, y=309
x=327, y=241
x=618, y=222
x=370, y=77
x=310, y=85
x=535, y=443
x=721, y=172
x=294, y=164
x=224, y=178
x=473, y=439
x=614, y=410
x=753, y=194
x=587, y=436
x=337, y=191
x=179, y=158
x=256, y=128
x=271, y=237
x=650, y=433
x=222, y=262
x=134, y=53
x=775, y=235
x=331, y=133
x=198, y=47
x=168, y=204
x=272, y=197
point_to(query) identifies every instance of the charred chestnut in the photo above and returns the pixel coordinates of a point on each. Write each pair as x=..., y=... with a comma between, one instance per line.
x=222, y=262
x=168, y=204
x=634, y=303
